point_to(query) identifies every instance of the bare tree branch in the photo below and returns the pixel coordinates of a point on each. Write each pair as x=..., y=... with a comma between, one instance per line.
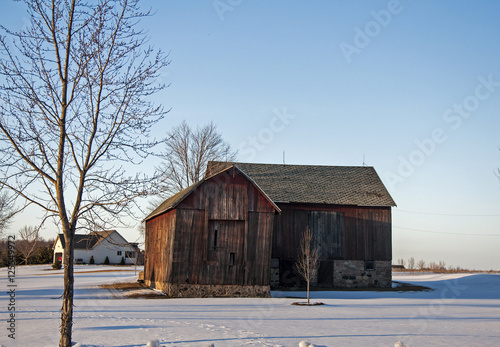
x=29, y=238
x=308, y=259
x=75, y=114
x=188, y=152
x=7, y=209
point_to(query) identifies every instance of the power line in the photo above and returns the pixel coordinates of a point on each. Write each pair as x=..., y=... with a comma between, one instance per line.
x=450, y=214
x=446, y=233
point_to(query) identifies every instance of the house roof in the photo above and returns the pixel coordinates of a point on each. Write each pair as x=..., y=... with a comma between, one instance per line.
x=88, y=241
x=176, y=199
x=336, y=185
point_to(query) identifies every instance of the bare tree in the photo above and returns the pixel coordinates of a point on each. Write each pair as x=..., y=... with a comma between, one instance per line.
x=437, y=266
x=433, y=266
x=307, y=262
x=74, y=108
x=442, y=265
x=28, y=243
x=411, y=263
x=7, y=209
x=421, y=265
x=188, y=152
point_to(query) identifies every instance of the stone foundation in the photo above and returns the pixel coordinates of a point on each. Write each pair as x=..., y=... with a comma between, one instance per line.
x=210, y=291
x=346, y=274
x=362, y=274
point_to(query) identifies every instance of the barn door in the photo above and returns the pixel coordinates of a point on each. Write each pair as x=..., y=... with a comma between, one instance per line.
x=225, y=245
x=328, y=236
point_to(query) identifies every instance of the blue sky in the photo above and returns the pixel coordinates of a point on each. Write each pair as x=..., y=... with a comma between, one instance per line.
x=413, y=87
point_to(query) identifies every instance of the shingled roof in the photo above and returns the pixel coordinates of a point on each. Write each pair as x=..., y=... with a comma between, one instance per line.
x=174, y=200
x=336, y=185
x=87, y=241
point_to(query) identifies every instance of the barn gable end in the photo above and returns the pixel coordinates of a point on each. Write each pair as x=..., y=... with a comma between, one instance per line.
x=212, y=239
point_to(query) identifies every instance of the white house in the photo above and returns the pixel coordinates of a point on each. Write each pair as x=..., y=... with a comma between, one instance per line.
x=98, y=245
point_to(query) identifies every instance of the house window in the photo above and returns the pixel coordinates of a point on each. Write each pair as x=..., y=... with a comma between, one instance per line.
x=369, y=265
x=129, y=254
x=118, y=252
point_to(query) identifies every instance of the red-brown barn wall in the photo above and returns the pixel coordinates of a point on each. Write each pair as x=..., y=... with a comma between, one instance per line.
x=366, y=231
x=244, y=219
x=158, y=247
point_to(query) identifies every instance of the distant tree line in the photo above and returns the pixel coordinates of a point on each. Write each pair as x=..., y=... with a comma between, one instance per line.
x=41, y=252
x=411, y=264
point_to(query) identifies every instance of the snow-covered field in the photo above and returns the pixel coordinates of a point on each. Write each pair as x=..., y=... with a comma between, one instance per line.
x=463, y=310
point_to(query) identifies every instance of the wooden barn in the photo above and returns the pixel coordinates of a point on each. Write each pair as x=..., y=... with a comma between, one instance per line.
x=348, y=210
x=237, y=231
x=212, y=239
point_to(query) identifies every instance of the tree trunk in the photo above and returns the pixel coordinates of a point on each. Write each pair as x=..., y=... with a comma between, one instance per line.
x=67, y=306
x=308, y=292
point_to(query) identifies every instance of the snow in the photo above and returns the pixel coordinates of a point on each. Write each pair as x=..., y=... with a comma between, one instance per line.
x=462, y=310
x=153, y=343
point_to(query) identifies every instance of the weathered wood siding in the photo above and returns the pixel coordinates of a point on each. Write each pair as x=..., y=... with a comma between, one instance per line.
x=328, y=230
x=221, y=235
x=258, y=248
x=159, y=247
x=188, y=239
x=340, y=232
x=373, y=234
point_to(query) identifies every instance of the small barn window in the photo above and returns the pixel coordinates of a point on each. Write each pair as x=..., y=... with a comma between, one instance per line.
x=215, y=239
x=118, y=252
x=369, y=265
x=232, y=257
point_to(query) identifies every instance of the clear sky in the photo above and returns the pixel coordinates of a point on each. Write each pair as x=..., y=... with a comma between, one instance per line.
x=409, y=87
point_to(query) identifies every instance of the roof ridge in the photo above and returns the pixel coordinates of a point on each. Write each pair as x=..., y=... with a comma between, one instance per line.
x=301, y=165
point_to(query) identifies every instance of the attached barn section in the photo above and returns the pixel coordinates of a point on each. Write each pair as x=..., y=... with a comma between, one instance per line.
x=354, y=245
